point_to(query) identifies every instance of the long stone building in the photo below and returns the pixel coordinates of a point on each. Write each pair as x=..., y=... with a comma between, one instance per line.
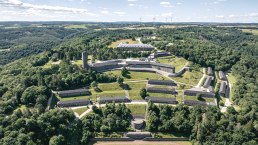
x=74, y=103
x=202, y=92
x=135, y=47
x=77, y=92
x=104, y=100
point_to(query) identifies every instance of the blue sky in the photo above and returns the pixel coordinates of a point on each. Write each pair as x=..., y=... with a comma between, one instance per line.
x=130, y=10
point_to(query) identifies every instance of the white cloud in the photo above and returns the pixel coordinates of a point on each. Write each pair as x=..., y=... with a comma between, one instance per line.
x=179, y=3
x=220, y=16
x=119, y=13
x=104, y=12
x=131, y=5
x=21, y=5
x=170, y=14
x=132, y=0
x=165, y=3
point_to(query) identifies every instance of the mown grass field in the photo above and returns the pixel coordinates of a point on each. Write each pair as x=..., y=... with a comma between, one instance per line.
x=134, y=90
x=177, y=62
x=254, y=32
x=79, y=111
x=137, y=109
x=232, y=81
x=191, y=78
x=129, y=41
x=137, y=76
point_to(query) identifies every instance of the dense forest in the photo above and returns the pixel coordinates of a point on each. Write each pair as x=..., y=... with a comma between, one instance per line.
x=25, y=85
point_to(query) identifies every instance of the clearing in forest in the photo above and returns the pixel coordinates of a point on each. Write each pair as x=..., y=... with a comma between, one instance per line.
x=129, y=41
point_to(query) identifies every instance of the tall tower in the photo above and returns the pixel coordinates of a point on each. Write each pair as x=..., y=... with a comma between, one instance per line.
x=85, y=61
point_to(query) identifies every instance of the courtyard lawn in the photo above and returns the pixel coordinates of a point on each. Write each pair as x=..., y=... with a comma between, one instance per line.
x=137, y=109
x=194, y=98
x=134, y=76
x=177, y=62
x=73, y=98
x=161, y=95
x=134, y=90
x=78, y=62
x=129, y=41
x=191, y=78
x=79, y=111
x=107, y=90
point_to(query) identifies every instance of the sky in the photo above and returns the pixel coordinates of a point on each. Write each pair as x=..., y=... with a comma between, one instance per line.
x=244, y=11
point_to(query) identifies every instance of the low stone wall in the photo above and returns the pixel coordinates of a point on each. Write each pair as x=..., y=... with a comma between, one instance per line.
x=165, y=139
x=112, y=139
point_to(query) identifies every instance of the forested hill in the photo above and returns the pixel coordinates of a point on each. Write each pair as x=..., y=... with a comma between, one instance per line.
x=17, y=43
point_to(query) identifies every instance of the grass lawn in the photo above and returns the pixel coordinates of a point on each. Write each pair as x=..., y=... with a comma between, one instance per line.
x=108, y=90
x=129, y=41
x=191, y=78
x=161, y=95
x=50, y=63
x=177, y=62
x=137, y=109
x=134, y=76
x=170, y=135
x=232, y=81
x=194, y=98
x=73, y=98
x=79, y=111
x=78, y=62
x=134, y=90
x=255, y=32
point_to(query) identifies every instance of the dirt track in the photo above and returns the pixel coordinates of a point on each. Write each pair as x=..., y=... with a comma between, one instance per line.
x=144, y=143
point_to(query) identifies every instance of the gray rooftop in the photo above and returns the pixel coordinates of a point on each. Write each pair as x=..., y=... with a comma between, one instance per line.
x=73, y=91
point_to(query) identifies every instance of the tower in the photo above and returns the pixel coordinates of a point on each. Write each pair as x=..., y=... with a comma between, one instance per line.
x=85, y=61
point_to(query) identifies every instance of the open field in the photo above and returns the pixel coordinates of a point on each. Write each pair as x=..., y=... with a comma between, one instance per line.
x=134, y=90
x=50, y=63
x=129, y=41
x=191, y=78
x=79, y=111
x=177, y=62
x=134, y=76
x=255, y=32
x=232, y=81
x=137, y=109
x=144, y=143
x=79, y=26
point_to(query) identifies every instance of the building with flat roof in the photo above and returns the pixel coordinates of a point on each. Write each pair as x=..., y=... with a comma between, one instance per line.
x=77, y=92
x=104, y=100
x=135, y=47
x=74, y=103
x=162, y=82
x=162, y=100
x=161, y=90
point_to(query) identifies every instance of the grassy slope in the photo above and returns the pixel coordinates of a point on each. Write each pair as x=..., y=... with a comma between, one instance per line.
x=177, y=62
x=134, y=76
x=134, y=91
x=191, y=78
x=79, y=111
